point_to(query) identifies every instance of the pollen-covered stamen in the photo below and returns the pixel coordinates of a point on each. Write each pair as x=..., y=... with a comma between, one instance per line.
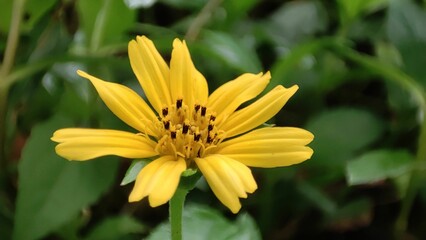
x=185, y=133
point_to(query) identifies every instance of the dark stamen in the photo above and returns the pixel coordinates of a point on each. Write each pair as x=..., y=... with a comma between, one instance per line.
x=203, y=111
x=209, y=139
x=167, y=125
x=185, y=129
x=212, y=118
x=173, y=135
x=165, y=111
x=210, y=127
x=197, y=107
x=179, y=103
x=197, y=137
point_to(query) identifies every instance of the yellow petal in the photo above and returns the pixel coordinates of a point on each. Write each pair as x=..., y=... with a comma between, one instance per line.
x=168, y=181
x=228, y=97
x=84, y=144
x=269, y=147
x=158, y=180
x=124, y=103
x=258, y=112
x=227, y=178
x=201, y=89
x=182, y=72
x=151, y=70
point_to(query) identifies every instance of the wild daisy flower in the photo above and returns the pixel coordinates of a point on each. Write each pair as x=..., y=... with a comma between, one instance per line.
x=188, y=128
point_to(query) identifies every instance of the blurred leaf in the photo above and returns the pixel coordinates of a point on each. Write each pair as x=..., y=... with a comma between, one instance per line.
x=53, y=41
x=185, y=4
x=105, y=22
x=351, y=9
x=236, y=9
x=34, y=10
x=133, y=4
x=133, y=171
x=378, y=165
x=388, y=53
x=341, y=132
x=116, y=228
x=296, y=21
x=202, y=222
x=414, y=63
x=405, y=28
x=333, y=72
x=317, y=197
x=51, y=189
x=288, y=62
x=405, y=22
x=231, y=51
x=247, y=228
x=353, y=215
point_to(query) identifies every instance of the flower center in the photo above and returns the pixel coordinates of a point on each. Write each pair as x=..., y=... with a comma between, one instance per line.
x=186, y=132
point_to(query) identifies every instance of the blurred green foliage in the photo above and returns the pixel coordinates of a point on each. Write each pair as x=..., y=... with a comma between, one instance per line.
x=360, y=66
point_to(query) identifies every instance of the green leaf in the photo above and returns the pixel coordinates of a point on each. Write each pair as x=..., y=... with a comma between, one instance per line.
x=52, y=190
x=405, y=22
x=317, y=197
x=116, y=228
x=201, y=222
x=247, y=228
x=352, y=215
x=133, y=171
x=134, y=4
x=350, y=10
x=378, y=165
x=34, y=10
x=105, y=22
x=231, y=51
x=282, y=68
x=405, y=28
x=296, y=21
x=238, y=8
x=341, y=132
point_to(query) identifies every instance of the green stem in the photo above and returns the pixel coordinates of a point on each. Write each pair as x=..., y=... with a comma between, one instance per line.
x=412, y=86
x=175, y=213
x=12, y=38
x=7, y=64
x=388, y=72
x=201, y=19
x=3, y=107
x=413, y=185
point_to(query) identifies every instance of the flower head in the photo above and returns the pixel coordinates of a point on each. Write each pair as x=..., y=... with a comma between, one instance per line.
x=188, y=128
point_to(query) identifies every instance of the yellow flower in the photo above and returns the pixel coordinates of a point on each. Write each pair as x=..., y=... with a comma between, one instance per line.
x=189, y=128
